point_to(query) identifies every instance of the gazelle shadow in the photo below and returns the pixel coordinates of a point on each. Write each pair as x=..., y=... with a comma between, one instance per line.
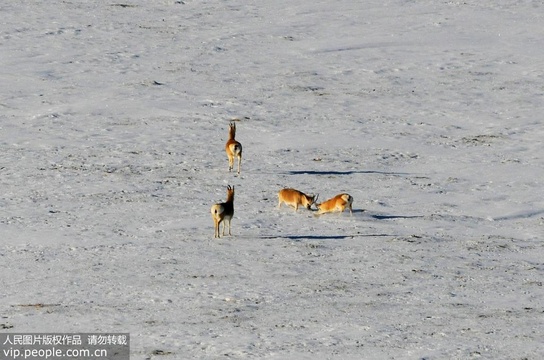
x=349, y=172
x=322, y=237
x=377, y=216
x=391, y=217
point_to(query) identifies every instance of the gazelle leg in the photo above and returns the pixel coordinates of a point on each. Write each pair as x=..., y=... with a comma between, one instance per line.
x=231, y=162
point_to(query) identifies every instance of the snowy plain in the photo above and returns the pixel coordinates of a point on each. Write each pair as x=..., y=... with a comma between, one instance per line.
x=113, y=119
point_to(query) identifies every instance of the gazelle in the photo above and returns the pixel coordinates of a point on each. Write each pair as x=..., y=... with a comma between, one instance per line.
x=337, y=203
x=223, y=212
x=233, y=148
x=295, y=198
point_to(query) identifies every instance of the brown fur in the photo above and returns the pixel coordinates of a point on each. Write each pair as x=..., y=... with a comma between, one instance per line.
x=233, y=148
x=295, y=198
x=223, y=212
x=337, y=203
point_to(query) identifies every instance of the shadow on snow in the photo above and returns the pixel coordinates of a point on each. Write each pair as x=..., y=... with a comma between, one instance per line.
x=520, y=215
x=392, y=217
x=349, y=172
x=322, y=237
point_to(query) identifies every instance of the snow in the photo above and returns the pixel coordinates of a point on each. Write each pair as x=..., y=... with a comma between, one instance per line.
x=113, y=121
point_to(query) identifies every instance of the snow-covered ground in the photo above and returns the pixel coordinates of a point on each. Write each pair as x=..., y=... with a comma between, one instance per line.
x=113, y=119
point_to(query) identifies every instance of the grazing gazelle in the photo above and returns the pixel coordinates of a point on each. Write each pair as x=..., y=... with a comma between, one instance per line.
x=337, y=203
x=223, y=212
x=233, y=148
x=295, y=198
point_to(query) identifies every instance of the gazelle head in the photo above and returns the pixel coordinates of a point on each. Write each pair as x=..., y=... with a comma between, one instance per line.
x=232, y=130
x=310, y=200
x=230, y=193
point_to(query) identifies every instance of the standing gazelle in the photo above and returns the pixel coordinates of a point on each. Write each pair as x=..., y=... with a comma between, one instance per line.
x=223, y=212
x=233, y=148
